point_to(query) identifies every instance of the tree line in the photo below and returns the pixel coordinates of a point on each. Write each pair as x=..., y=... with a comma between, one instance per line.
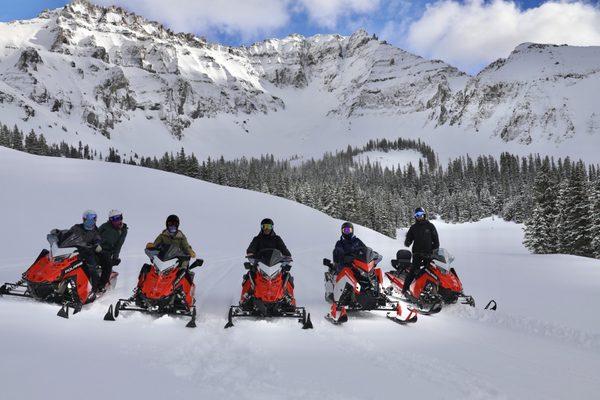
x=558, y=200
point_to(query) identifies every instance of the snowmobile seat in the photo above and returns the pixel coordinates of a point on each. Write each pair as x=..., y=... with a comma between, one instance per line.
x=403, y=260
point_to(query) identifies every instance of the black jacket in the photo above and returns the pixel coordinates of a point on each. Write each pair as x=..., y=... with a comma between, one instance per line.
x=345, y=247
x=270, y=241
x=112, y=239
x=423, y=236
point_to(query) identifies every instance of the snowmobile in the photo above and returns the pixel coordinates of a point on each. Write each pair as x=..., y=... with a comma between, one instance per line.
x=165, y=286
x=358, y=287
x=61, y=279
x=433, y=286
x=268, y=290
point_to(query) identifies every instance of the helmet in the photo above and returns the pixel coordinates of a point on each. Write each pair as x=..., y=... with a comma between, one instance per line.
x=89, y=219
x=266, y=221
x=347, y=229
x=419, y=212
x=173, y=221
x=116, y=218
x=87, y=214
x=114, y=213
x=266, y=225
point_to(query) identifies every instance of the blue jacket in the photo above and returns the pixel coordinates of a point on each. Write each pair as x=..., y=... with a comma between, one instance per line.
x=346, y=246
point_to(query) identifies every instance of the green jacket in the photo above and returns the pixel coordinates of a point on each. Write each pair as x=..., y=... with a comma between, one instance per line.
x=112, y=239
x=179, y=239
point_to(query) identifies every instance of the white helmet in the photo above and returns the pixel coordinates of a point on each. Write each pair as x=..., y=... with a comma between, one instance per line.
x=114, y=213
x=89, y=214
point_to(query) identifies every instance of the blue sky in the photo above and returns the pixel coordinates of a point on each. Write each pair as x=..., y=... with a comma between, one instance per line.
x=466, y=33
x=300, y=23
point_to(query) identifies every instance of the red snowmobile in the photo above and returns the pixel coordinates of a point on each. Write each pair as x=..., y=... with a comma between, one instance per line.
x=268, y=290
x=357, y=287
x=434, y=285
x=61, y=279
x=166, y=286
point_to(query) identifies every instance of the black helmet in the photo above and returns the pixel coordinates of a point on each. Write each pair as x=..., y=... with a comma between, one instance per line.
x=266, y=221
x=419, y=212
x=347, y=229
x=172, y=220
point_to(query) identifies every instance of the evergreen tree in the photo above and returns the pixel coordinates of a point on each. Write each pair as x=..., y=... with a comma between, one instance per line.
x=540, y=229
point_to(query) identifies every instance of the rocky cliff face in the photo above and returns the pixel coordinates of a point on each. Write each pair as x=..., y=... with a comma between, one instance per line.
x=100, y=67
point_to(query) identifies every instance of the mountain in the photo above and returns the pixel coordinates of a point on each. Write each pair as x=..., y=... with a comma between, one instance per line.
x=110, y=78
x=540, y=92
x=537, y=345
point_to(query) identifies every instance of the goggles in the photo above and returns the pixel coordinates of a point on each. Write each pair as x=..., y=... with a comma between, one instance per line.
x=90, y=217
x=116, y=218
x=419, y=214
x=346, y=230
x=267, y=226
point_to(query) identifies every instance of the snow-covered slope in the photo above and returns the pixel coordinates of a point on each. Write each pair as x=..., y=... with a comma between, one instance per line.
x=539, y=93
x=88, y=73
x=542, y=343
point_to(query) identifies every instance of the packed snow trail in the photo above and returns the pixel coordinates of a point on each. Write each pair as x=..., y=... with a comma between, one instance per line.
x=541, y=343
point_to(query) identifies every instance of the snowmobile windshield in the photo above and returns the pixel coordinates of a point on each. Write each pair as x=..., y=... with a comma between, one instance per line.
x=443, y=257
x=268, y=262
x=270, y=257
x=74, y=239
x=171, y=252
x=366, y=255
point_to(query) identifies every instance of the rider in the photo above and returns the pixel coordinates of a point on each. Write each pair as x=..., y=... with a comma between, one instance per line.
x=347, y=245
x=267, y=239
x=424, y=239
x=173, y=236
x=88, y=233
x=113, y=233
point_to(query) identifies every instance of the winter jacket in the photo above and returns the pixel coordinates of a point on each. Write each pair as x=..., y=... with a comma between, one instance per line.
x=423, y=236
x=178, y=239
x=91, y=238
x=112, y=239
x=346, y=246
x=270, y=241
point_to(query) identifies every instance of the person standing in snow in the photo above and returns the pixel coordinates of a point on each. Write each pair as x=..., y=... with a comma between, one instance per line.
x=267, y=239
x=113, y=233
x=173, y=236
x=424, y=239
x=87, y=233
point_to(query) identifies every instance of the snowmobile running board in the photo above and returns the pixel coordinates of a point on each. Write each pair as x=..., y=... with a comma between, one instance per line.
x=123, y=305
x=299, y=312
x=411, y=318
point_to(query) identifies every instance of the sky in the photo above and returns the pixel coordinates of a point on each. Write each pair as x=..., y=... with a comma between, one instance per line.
x=468, y=34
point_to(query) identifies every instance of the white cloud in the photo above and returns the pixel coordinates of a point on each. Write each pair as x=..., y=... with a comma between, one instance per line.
x=327, y=13
x=249, y=19
x=246, y=18
x=473, y=33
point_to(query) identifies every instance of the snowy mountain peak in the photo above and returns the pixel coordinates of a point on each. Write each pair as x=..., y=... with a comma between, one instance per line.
x=87, y=69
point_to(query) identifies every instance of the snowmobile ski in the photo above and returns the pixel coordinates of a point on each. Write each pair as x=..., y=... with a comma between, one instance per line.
x=299, y=313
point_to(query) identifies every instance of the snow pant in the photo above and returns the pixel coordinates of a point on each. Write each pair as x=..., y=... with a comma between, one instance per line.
x=106, y=265
x=417, y=262
x=90, y=265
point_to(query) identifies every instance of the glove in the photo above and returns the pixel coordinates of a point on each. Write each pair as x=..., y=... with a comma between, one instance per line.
x=192, y=253
x=150, y=245
x=116, y=262
x=98, y=249
x=54, y=232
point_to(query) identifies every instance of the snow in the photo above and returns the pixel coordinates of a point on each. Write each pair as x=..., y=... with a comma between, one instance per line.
x=543, y=342
x=392, y=159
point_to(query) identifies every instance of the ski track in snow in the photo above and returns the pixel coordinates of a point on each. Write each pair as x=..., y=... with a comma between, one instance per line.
x=521, y=351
